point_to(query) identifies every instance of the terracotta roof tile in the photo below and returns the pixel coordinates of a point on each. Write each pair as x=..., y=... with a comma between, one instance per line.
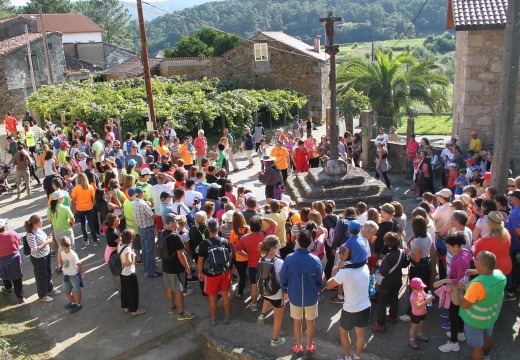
x=66, y=23
x=15, y=42
x=479, y=14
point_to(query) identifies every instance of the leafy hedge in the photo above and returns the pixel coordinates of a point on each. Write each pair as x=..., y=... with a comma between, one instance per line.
x=186, y=103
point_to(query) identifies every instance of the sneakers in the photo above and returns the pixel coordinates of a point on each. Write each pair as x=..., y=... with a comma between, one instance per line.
x=423, y=338
x=378, y=328
x=214, y=321
x=253, y=307
x=76, y=308
x=185, y=315
x=404, y=317
x=460, y=336
x=69, y=306
x=260, y=320
x=445, y=325
x=277, y=342
x=47, y=299
x=444, y=313
x=337, y=300
x=298, y=350
x=172, y=310
x=509, y=296
x=227, y=319
x=55, y=292
x=449, y=347
x=413, y=344
x=86, y=243
x=96, y=243
x=188, y=291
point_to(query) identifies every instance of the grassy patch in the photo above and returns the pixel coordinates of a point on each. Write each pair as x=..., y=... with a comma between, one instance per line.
x=20, y=337
x=347, y=51
x=430, y=125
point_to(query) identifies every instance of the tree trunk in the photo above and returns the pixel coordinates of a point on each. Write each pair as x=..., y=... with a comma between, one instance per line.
x=410, y=127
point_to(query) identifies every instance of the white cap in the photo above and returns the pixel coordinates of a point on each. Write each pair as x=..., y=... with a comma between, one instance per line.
x=145, y=171
x=3, y=222
x=445, y=193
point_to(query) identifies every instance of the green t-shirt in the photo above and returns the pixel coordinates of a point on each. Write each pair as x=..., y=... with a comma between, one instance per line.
x=98, y=148
x=61, y=218
x=220, y=160
x=129, y=215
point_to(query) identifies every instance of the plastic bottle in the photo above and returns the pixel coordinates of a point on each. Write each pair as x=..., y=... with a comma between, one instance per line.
x=429, y=296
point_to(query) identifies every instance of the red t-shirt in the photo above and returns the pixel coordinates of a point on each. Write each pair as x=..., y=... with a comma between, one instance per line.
x=200, y=146
x=10, y=124
x=9, y=243
x=499, y=248
x=249, y=243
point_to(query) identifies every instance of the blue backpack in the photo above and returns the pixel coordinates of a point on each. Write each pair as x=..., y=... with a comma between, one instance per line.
x=56, y=143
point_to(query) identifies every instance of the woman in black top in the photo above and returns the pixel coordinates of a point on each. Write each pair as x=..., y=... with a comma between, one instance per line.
x=357, y=149
x=198, y=233
x=113, y=237
x=308, y=123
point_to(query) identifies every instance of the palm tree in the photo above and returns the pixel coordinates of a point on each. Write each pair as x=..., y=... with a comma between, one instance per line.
x=396, y=84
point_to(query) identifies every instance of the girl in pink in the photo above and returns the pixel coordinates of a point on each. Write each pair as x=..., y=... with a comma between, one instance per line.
x=418, y=300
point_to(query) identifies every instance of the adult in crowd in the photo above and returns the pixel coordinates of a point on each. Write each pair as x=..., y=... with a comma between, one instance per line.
x=248, y=143
x=442, y=223
x=61, y=219
x=135, y=157
x=144, y=219
x=301, y=279
x=296, y=125
x=381, y=138
x=480, y=303
x=97, y=148
x=418, y=251
x=200, y=143
x=22, y=161
x=271, y=176
x=446, y=157
x=425, y=175
x=258, y=134
x=412, y=146
x=513, y=226
x=83, y=204
x=301, y=157
x=10, y=261
x=279, y=211
x=240, y=228
x=128, y=277
x=10, y=123
x=382, y=165
x=357, y=149
x=231, y=142
x=283, y=158
x=39, y=242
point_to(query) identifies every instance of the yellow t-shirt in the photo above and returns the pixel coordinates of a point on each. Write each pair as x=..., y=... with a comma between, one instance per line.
x=475, y=145
x=84, y=197
x=281, y=157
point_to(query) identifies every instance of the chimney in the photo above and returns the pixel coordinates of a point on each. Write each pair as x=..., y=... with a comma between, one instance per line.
x=317, y=43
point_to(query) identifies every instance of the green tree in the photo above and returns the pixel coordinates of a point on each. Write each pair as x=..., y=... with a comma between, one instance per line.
x=395, y=84
x=351, y=103
x=48, y=6
x=205, y=42
x=112, y=16
x=189, y=46
x=6, y=10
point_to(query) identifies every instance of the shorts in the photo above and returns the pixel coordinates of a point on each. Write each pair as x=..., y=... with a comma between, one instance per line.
x=475, y=337
x=358, y=319
x=276, y=303
x=311, y=312
x=174, y=281
x=416, y=319
x=159, y=226
x=252, y=275
x=212, y=284
x=136, y=242
x=73, y=285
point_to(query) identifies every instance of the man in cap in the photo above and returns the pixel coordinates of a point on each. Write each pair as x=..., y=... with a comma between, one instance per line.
x=144, y=177
x=156, y=194
x=270, y=177
x=144, y=219
x=10, y=262
x=175, y=269
x=387, y=224
x=130, y=223
x=282, y=156
x=249, y=145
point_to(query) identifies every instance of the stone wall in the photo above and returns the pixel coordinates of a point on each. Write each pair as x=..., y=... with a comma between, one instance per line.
x=191, y=68
x=101, y=54
x=478, y=66
x=16, y=26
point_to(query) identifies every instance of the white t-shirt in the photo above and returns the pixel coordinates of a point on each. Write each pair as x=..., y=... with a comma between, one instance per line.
x=363, y=218
x=155, y=194
x=482, y=224
x=278, y=263
x=47, y=167
x=70, y=262
x=190, y=196
x=128, y=270
x=83, y=165
x=355, y=288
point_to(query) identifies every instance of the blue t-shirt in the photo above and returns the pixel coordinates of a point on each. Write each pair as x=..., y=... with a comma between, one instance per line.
x=120, y=161
x=464, y=182
x=358, y=253
x=512, y=223
x=165, y=210
x=202, y=188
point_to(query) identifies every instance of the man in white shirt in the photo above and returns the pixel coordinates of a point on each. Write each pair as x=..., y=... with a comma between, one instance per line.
x=191, y=194
x=446, y=158
x=368, y=231
x=382, y=137
x=356, y=308
x=155, y=194
x=83, y=161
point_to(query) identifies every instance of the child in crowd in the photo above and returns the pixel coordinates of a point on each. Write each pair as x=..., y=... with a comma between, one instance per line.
x=72, y=270
x=416, y=163
x=460, y=182
x=429, y=198
x=262, y=151
x=452, y=176
x=241, y=198
x=419, y=301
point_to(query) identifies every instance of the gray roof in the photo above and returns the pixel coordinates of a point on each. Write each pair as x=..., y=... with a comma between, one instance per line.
x=296, y=44
x=479, y=14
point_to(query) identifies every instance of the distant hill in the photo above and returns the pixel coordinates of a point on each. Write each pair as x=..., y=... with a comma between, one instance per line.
x=170, y=5
x=363, y=20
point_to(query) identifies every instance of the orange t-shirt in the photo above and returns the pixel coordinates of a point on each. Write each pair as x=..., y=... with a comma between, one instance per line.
x=186, y=154
x=163, y=150
x=233, y=240
x=84, y=198
x=475, y=292
x=500, y=248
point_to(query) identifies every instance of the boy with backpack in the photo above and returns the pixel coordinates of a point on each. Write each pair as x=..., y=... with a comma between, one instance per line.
x=214, y=264
x=174, y=266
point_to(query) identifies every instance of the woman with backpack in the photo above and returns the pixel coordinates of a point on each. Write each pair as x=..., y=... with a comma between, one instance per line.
x=113, y=238
x=198, y=233
x=266, y=284
x=329, y=221
x=240, y=228
x=129, y=286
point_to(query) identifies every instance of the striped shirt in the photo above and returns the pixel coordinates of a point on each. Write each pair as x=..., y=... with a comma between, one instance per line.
x=35, y=239
x=143, y=214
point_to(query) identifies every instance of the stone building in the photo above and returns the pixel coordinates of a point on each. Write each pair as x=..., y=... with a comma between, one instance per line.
x=15, y=77
x=479, y=26
x=269, y=60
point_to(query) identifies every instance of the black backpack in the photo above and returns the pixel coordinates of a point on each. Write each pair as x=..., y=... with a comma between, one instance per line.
x=266, y=277
x=161, y=248
x=26, y=247
x=114, y=262
x=219, y=258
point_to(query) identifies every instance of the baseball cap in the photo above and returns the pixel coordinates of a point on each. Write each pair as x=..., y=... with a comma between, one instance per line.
x=145, y=171
x=64, y=144
x=131, y=192
x=249, y=195
x=3, y=222
x=164, y=156
x=171, y=218
x=417, y=283
x=445, y=193
x=57, y=195
x=487, y=175
x=165, y=195
x=475, y=168
x=516, y=194
x=132, y=162
x=388, y=208
x=470, y=161
x=474, y=132
x=447, y=142
x=354, y=226
x=147, y=143
x=452, y=165
x=215, y=185
x=139, y=191
x=510, y=182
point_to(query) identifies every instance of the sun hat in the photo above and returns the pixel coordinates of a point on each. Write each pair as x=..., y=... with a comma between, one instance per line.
x=465, y=199
x=388, y=208
x=228, y=216
x=417, y=283
x=111, y=159
x=57, y=195
x=445, y=193
x=3, y=222
x=495, y=220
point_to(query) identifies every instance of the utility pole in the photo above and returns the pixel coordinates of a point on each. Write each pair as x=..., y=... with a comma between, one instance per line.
x=332, y=50
x=146, y=65
x=372, y=50
x=504, y=126
x=45, y=47
x=29, y=58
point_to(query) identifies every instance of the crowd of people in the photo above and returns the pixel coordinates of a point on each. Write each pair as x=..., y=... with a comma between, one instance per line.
x=160, y=198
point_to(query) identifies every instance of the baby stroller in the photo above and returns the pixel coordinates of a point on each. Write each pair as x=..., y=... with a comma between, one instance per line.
x=5, y=170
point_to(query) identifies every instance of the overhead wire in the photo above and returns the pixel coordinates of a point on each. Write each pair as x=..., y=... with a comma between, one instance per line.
x=412, y=23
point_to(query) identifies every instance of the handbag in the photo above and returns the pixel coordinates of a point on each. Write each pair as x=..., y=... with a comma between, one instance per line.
x=379, y=277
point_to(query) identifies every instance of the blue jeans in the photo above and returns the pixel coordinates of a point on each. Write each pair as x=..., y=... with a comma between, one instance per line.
x=90, y=216
x=147, y=249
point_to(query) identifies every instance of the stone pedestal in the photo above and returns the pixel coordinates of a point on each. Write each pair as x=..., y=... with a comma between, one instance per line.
x=346, y=189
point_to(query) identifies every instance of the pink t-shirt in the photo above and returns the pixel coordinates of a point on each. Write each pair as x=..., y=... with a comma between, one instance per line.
x=9, y=243
x=200, y=146
x=420, y=297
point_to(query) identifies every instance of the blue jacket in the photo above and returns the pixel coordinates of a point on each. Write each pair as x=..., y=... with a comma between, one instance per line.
x=302, y=268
